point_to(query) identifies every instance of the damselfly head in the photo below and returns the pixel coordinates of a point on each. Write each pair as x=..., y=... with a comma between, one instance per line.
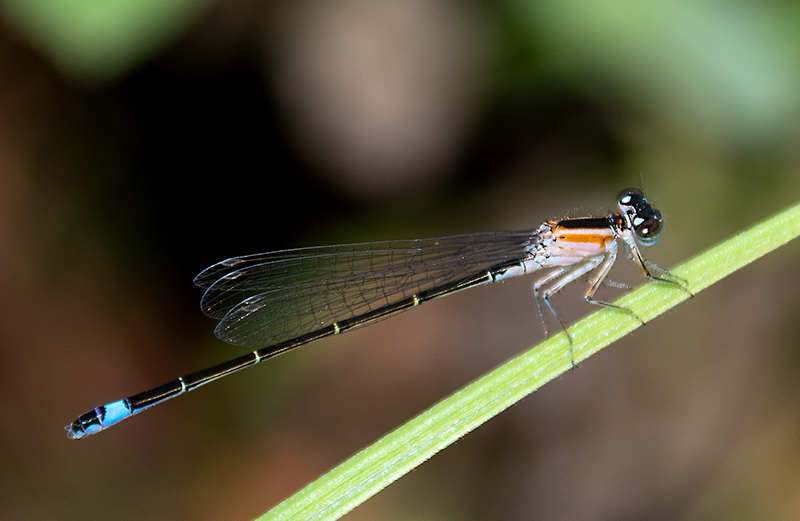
x=645, y=220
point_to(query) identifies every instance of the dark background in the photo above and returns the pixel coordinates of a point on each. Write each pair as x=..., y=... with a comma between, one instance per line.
x=141, y=142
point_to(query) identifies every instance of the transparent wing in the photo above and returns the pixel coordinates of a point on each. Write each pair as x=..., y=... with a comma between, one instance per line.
x=273, y=298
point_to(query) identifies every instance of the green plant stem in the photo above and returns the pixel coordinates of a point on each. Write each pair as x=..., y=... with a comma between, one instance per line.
x=372, y=469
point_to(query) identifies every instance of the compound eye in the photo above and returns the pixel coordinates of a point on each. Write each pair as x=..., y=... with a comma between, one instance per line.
x=630, y=197
x=648, y=231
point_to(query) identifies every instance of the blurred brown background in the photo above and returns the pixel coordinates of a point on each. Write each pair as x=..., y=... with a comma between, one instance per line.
x=143, y=141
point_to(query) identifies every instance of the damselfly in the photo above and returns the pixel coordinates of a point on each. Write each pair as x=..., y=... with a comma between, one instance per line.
x=281, y=300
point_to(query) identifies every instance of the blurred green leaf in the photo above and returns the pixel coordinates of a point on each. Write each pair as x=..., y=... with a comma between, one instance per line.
x=100, y=40
x=731, y=67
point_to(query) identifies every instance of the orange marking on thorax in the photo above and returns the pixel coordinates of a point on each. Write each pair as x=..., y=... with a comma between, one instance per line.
x=600, y=238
